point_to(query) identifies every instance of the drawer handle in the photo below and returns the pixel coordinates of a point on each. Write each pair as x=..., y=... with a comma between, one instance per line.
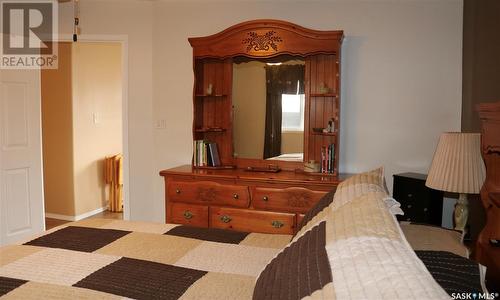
x=409, y=206
x=265, y=198
x=277, y=224
x=225, y=219
x=177, y=191
x=410, y=195
x=188, y=215
x=235, y=196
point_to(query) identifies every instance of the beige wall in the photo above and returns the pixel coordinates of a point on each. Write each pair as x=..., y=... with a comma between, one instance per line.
x=249, y=101
x=82, y=123
x=97, y=118
x=292, y=142
x=57, y=136
x=130, y=20
x=401, y=77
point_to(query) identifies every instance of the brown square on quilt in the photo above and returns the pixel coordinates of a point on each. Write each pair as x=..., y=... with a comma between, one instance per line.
x=9, y=284
x=323, y=203
x=208, y=234
x=140, y=279
x=299, y=270
x=83, y=239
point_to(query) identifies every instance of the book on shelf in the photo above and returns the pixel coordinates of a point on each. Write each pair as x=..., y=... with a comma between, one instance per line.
x=214, y=155
x=205, y=154
x=328, y=159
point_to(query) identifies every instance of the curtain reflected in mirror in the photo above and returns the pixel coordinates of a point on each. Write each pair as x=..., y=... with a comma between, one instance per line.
x=268, y=109
x=281, y=81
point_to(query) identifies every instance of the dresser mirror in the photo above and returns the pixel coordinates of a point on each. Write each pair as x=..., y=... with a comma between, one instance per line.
x=287, y=116
x=268, y=108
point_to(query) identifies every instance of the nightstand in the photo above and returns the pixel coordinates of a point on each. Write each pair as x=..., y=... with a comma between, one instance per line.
x=419, y=203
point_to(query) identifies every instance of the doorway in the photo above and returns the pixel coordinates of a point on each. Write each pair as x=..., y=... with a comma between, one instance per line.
x=82, y=124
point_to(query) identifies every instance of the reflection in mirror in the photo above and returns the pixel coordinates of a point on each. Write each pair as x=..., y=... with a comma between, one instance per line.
x=268, y=108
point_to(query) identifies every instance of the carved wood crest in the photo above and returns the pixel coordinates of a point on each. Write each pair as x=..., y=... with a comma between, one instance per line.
x=264, y=42
x=299, y=200
x=207, y=195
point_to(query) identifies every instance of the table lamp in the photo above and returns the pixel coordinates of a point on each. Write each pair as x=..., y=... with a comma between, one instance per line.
x=458, y=167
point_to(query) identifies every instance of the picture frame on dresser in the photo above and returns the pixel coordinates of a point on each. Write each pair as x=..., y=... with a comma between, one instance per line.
x=231, y=197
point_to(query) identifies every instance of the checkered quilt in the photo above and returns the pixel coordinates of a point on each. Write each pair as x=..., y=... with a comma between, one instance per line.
x=113, y=259
x=349, y=246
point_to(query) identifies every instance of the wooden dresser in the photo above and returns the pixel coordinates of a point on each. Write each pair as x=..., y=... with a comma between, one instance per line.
x=248, y=132
x=486, y=253
x=240, y=200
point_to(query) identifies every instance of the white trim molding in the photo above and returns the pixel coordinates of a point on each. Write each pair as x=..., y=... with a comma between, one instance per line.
x=75, y=218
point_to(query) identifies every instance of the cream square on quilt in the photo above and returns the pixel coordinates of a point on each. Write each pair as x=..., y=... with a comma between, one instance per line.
x=12, y=253
x=379, y=268
x=221, y=286
x=138, y=226
x=265, y=240
x=165, y=249
x=36, y=291
x=56, y=266
x=228, y=258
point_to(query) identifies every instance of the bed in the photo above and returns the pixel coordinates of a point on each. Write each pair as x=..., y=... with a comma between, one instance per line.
x=298, y=157
x=349, y=246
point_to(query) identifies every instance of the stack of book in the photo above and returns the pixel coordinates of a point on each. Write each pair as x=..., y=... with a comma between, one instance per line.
x=327, y=159
x=205, y=154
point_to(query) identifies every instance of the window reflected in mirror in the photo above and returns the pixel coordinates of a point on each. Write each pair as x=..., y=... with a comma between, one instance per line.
x=268, y=108
x=292, y=111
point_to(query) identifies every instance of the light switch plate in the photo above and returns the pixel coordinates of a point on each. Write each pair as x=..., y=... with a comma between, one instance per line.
x=161, y=124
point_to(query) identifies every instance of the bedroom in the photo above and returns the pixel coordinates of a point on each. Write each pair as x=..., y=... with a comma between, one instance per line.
x=390, y=116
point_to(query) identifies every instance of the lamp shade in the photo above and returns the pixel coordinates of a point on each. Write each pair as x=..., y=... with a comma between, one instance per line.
x=457, y=166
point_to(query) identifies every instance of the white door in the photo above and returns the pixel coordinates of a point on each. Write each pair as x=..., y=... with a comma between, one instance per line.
x=21, y=188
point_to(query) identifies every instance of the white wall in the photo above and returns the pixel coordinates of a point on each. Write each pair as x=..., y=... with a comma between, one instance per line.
x=401, y=74
x=401, y=77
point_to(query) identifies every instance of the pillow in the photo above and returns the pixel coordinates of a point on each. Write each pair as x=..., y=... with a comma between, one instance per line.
x=354, y=186
x=360, y=184
x=355, y=252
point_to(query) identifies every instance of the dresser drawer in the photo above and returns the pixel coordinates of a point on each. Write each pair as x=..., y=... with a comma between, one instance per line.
x=195, y=215
x=293, y=199
x=419, y=203
x=208, y=193
x=252, y=220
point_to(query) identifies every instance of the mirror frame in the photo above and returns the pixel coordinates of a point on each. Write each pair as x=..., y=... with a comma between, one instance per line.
x=266, y=38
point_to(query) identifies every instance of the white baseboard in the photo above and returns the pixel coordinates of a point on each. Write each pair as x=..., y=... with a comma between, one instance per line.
x=75, y=218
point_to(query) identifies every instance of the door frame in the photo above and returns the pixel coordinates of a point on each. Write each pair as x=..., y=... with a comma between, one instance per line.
x=123, y=40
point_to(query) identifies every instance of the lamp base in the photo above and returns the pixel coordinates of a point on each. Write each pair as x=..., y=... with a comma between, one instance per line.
x=461, y=212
